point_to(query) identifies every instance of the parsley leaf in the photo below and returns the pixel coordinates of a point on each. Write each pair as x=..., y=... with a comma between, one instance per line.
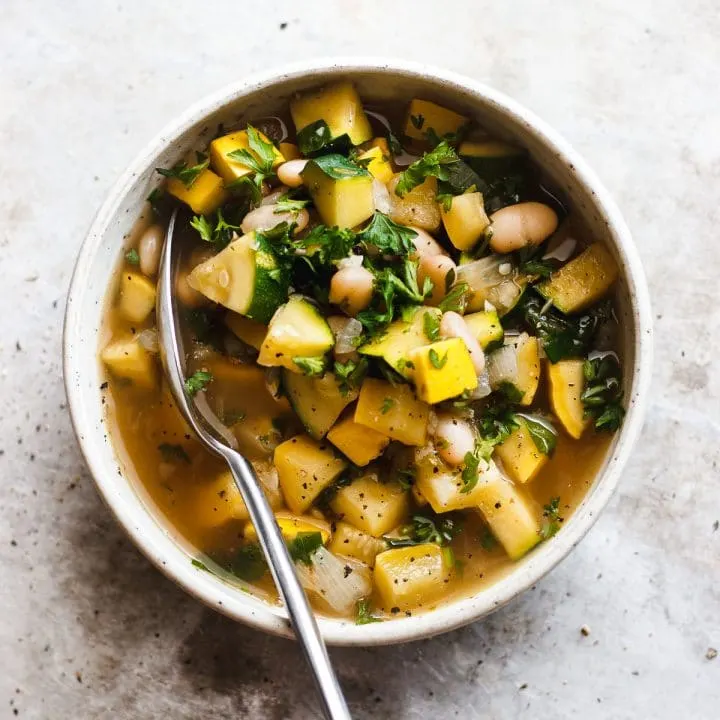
x=350, y=374
x=249, y=563
x=551, y=519
x=286, y=204
x=426, y=529
x=387, y=236
x=311, y=366
x=471, y=471
x=218, y=234
x=457, y=299
x=435, y=360
x=431, y=164
x=363, y=614
x=542, y=433
x=387, y=405
x=259, y=156
x=246, y=189
x=417, y=121
x=431, y=326
x=197, y=382
x=186, y=175
x=303, y=546
x=325, y=245
x=173, y=453
x=602, y=396
x=132, y=256
x=406, y=478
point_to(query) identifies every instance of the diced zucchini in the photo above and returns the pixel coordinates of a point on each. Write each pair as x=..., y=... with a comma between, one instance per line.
x=567, y=382
x=486, y=327
x=324, y=116
x=509, y=515
x=351, y=542
x=249, y=331
x=291, y=525
x=418, y=207
x=411, y=577
x=296, y=330
x=206, y=194
x=305, y=468
x=465, y=222
x=424, y=116
x=137, y=296
x=582, y=281
x=341, y=190
x=443, y=370
x=519, y=455
x=318, y=402
x=371, y=506
x=128, y=359
x=358, y=443
x=225, y=166
x=378, y=164
x=488, y=284
x=399, y=340
x=290, y=151
x=244, y=277
x=492, y=158
x=517, y=363
x=442, y=486
x=392, y=410
x=257, y=436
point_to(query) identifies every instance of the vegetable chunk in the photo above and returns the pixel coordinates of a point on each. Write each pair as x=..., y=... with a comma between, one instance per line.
x=567, y=382
x=349, y=541
x=424, y=116
x=392, y=410
x=206, y=194
x=230, y=169
x=411, y=577
x=519, y=455
x=371, y=506
x=137, y=296
x=358, y=443
x=305, y=468
x=443, y=370
x=291, y=525
x=378, y=163
x=130, y=360
x=465, y=221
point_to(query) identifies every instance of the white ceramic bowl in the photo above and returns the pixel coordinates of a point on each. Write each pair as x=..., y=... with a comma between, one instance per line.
x=257, y=96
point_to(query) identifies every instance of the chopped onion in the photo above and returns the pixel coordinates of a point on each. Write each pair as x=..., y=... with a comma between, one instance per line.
x=350, y=261
x=338, y=582
x=502, y=366
x=488, y=283
x=346, y=331
x=505, y=268
x=489, y=307
x=483, y=388
x=561, y=250
x=381, y=197
x=268, y=475
x=149, y=340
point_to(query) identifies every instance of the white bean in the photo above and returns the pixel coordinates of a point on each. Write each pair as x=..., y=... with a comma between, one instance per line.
x=188, y=296
x=274, y=196
x=289, y=172
x=351, y=288
x=437, y=268
x=265, y=218
x=425, y=243
x=149, y=248
x=517, y=226
x=454, y=438
x=452, y=325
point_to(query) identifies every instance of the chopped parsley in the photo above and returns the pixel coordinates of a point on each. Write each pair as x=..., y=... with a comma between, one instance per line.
x=417, y=121
x=471, y=470
x=312, y=366
x=387, y=405
x=388, y=237
x=363, y=613
x=219, y=234
x=303, y=546
x=186, y=175
x=432, y=164
x=551, y=519
x=173, y=453
x=602, y=396
x=197, y=381
x=286, y=204
x=426, y=529
x=542, y=433
x=431, y=326
x=350, y=374
x=435, y=360
x=132, y=256
x=259, y=156
x=456, y=299
x=248, y=563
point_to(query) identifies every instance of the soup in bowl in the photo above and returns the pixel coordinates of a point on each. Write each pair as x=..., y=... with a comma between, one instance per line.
x=407, y=319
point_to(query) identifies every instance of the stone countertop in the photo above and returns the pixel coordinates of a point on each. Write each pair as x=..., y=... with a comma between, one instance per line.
x=88, y=629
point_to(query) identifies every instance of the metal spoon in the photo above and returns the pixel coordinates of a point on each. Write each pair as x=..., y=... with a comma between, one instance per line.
x=210, y=432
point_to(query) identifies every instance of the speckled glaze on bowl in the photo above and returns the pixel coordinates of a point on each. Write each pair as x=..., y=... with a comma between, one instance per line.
x=256, y=96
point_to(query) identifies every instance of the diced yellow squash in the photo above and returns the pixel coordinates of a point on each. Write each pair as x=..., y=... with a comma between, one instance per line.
x=528, y=359
x=466, y=221
x=296, y=330
x=137, y=296
x=225, y=166
x=442, y=486
x=485, y=326
x=443, y=370
x=249, y=331
x=519, y=455
x=489, y=149
x=382, y=143
x=399, y=339
x=204, y=196
x=567, y=382
x=339, y=106
x=418, y=208
x=341, y=191
x=423, y=116
x=305, y=468
x=411, y=577
x=128, y=359
x=257, y=436
x=351, y=542
x=371, y=506
x=581, y=282
x=510, y=516
x=419, y=498
x=392, y=410
x=358, y=443
x=289, y=151
x=218, y=502
x=239, y=390
x=379, y=164
x=291, y=525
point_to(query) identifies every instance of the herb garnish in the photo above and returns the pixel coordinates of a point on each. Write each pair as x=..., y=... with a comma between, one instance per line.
x=173, y=453
x=457, y=298
x=197, y=382
x=350, y=374
x=259, y=156
x=471, y=470
x=132, y=256
x=249, y=563
x=551, y=519
x=363, y=614
x=312, y=366
x=603, y=394
x=426, y=529
x=431, y=326
x=431, y=164
x=218, y=234
x=186, y=175
x=435, y=360
x=286, y=204
x=387, y=236
x=387, y=405
x=303, y=546
x=542, y=434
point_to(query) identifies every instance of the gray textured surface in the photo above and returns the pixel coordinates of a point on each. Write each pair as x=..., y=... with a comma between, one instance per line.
x=89, y=630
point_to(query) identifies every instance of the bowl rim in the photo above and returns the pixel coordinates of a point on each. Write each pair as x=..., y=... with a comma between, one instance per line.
x=164, y=552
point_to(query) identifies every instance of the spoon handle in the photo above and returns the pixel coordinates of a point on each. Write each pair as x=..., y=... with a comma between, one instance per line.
x=283, y=571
